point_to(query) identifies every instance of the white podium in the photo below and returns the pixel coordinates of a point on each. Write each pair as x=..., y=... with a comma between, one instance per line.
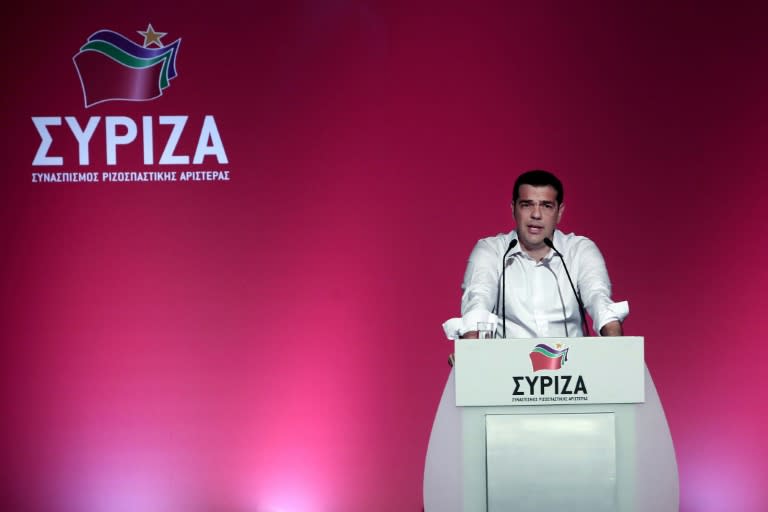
x=550, y=424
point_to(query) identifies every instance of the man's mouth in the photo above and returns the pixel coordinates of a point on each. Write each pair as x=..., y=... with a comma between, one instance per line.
x=535, y=229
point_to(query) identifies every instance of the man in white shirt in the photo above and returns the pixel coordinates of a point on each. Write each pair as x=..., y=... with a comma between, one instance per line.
x=539, y=300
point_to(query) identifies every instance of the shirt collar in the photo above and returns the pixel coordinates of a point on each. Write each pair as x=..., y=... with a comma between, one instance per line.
x=518, y=251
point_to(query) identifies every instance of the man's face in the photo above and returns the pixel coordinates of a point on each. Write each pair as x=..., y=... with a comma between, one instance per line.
x=536, y=213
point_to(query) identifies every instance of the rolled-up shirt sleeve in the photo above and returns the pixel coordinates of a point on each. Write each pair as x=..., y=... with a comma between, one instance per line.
x=481, y=280
x=595, y=286
x=480, y=289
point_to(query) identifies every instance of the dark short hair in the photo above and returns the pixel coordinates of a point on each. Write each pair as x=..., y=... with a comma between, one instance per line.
x=538, y=178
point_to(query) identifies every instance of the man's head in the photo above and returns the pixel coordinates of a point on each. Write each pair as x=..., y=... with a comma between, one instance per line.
x=537, y=205
x=538, y=178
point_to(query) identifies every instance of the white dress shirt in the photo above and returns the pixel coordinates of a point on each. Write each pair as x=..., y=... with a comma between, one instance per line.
x=539, y=299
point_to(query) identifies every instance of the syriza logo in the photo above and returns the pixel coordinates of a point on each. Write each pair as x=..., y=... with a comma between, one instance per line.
x=123, y=148
x=111, y=67
x=544, y=357
x=549, y=388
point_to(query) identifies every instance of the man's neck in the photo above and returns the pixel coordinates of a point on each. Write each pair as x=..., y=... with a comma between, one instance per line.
x=537, y=253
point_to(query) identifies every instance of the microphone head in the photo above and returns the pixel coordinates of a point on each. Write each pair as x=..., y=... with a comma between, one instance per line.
x=512, y=244
x=549, y=243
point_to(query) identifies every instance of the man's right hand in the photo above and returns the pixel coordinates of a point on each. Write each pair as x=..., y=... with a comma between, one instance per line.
x=469, y=335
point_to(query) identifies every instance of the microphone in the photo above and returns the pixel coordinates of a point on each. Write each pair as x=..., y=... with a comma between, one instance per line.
x=584, y=327
x=512, y=245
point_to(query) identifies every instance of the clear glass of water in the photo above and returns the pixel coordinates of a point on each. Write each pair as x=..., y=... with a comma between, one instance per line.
x=486, y=330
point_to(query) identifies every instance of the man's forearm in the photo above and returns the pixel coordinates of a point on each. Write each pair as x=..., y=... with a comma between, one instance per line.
x=612, y=328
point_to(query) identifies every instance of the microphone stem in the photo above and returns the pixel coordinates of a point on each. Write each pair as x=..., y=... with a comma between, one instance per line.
x=512, y=245
x=582, y=313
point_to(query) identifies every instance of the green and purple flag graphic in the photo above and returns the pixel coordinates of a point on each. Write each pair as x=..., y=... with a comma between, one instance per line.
x=544, y=357
x=112, y=67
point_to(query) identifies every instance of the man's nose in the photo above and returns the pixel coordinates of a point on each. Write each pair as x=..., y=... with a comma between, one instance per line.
x=536, y=212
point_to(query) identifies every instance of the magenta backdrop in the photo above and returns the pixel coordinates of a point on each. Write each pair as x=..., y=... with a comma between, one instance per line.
x=273, y=343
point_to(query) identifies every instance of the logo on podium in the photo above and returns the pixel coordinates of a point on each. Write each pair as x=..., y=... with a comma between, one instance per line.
x=544, y=357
